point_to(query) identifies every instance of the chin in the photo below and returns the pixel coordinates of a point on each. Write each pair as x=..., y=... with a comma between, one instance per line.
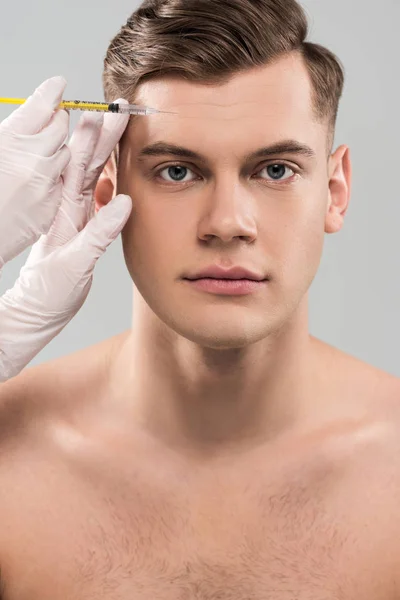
x=222, y=334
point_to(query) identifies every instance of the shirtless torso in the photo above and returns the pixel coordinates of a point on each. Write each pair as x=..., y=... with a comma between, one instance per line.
x=88, y=512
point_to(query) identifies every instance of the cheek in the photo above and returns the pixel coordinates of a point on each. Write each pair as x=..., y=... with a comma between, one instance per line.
x=294, y=238
x=304, y=248
x=151, y=242
x=308, y=251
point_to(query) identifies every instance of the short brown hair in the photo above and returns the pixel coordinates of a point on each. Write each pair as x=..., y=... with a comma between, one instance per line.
x=209, y=41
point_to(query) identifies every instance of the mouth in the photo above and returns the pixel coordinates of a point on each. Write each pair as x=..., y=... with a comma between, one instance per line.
x=227, y=287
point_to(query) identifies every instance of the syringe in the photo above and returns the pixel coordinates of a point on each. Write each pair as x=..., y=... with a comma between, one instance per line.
x=115, y=107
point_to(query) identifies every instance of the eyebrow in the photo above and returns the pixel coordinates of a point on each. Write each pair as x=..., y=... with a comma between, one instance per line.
x=284, y=147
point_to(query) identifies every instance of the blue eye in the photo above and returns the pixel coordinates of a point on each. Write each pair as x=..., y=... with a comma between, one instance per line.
x=177, y=172
x=277, y=171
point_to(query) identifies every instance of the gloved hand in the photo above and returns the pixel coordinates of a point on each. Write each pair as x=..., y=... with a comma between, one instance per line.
x=56, y=279
x=33, y=155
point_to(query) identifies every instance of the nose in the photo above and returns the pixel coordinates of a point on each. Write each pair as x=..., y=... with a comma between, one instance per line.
x=229, y=212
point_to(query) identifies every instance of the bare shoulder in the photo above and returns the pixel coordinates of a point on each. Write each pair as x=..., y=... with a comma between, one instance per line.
x=356, y=377
x=54, y=385
x=360, y=393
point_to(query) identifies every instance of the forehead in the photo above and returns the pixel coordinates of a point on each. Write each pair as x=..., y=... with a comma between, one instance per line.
x=265, y=104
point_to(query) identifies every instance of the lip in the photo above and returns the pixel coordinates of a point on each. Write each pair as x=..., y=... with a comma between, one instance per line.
x=216, y=272
x=227, y=287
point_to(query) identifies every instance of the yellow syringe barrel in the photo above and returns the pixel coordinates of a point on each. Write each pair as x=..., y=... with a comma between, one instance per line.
x=84, y=105
x=65, y=104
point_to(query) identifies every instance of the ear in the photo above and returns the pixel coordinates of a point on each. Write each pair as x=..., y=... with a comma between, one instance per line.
x=339, y=172
x=105, y=189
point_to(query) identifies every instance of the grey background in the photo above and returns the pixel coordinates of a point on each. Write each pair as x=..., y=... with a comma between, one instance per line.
x=355, y=298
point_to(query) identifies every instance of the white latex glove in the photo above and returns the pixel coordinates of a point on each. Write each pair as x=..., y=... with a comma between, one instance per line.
x=56, y=279
x=33, y=155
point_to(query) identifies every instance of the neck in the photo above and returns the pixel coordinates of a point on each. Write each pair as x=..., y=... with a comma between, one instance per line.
x=210, y=401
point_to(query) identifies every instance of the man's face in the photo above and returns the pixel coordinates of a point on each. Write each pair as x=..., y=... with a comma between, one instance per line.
x=226, y=210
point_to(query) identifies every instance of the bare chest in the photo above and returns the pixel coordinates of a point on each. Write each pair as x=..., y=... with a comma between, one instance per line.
x=84, y=529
